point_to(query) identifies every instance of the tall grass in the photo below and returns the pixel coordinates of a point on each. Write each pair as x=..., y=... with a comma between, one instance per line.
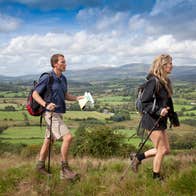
x=99, y=177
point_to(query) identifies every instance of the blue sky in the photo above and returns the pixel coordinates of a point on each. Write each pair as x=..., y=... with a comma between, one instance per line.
x=94, y=33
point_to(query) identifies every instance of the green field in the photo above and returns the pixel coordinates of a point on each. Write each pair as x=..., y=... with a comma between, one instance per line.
x=178, y=107
x=114, y=99
x=15, y=115
x=35, y=135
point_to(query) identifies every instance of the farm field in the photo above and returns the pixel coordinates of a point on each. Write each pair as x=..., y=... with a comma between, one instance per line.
x=21, y=139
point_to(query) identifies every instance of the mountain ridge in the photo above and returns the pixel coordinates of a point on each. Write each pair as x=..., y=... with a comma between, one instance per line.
x=132, y=70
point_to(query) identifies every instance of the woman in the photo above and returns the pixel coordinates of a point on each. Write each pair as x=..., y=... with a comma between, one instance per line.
x=159, y=84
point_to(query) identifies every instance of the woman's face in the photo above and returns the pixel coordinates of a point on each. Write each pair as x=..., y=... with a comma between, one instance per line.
x=168, y=67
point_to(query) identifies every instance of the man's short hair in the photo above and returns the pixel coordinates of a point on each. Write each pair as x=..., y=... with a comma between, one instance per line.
x=54, y=59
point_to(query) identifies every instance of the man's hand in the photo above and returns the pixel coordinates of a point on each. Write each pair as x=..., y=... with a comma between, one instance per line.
x=51, y=107
x=79, y=97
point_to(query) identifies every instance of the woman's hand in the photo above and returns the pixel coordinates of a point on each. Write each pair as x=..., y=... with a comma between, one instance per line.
x=164, y=111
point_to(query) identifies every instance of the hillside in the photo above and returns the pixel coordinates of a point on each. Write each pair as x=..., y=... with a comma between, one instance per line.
x=134, y=70
x=99, y=177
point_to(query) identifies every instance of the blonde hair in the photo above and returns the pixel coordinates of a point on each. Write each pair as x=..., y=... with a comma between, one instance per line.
x=157, y=69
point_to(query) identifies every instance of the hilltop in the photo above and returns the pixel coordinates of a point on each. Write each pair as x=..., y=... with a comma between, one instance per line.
x=133, y=70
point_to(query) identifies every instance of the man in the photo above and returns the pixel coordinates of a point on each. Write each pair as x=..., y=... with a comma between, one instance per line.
x=54, y=109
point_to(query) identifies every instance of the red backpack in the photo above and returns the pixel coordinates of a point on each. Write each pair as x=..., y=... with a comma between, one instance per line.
x=34, y=108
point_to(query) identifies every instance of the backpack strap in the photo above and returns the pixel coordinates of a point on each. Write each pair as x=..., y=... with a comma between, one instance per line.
x=48, y=89
x=157, y=85
x=49, y=85
x=156, y=91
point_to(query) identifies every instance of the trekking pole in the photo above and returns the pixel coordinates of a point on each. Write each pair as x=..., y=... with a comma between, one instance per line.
x=50, y=140
x=140, y=148
x=141, y=145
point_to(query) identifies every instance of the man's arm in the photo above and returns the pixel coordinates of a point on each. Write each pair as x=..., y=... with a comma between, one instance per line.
x=38, y=99
x=70, y=97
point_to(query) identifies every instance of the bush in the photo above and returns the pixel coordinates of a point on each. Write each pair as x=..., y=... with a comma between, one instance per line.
x=10, y=108
x=191, y=122
x=120, y=116
x=186, y=141
x=11, y=148
x=3, y=128
x=98, y=141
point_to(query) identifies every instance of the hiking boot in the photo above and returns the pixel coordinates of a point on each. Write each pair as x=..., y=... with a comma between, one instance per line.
x=158, y=177
x=40, y=167
x=134, y=162
x=67, y=173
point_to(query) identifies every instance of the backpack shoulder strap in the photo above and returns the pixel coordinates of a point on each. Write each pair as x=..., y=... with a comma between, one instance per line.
x=157, y=85
x=48, y=90
x=51, y=79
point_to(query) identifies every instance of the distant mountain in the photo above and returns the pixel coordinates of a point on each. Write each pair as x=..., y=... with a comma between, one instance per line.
x=186, y=73
x=97, y=74
x=134, y=70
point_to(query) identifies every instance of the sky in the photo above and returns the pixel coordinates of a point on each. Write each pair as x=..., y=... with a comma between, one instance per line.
x=94, y=33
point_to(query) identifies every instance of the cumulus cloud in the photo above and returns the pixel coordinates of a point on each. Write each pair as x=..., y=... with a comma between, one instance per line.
x=102, y=20
x=176, y=17
x=83, y=50
x=166, y=17
x=8, y=23
x=107, y=37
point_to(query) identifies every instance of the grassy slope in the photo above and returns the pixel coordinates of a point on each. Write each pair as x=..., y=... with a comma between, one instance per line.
x=99, y=177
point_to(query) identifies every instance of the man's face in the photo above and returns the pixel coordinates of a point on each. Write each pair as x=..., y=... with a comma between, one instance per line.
x=61, y=64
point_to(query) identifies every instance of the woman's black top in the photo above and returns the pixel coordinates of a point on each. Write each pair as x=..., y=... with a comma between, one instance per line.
x=149, y=118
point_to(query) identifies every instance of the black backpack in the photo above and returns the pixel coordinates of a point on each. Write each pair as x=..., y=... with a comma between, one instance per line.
x=138, y=102
x=34, y=108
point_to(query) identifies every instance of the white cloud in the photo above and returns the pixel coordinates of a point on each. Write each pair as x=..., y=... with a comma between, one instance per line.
x=8, y=23
x=31, y=54
x=108, y=38
x=168, y=6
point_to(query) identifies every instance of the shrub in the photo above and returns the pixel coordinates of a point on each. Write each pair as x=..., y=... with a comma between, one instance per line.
x=186, y=141
x=191, y=122
x=10, y=108
x=120, y=116
x=3, y=128
x=11, y=148
x=98, y=141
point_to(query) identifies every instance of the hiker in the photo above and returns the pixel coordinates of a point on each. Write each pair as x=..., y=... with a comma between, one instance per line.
x=55, y=107
x=156, y=120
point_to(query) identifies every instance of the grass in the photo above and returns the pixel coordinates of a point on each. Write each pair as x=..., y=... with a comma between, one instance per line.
x=99, y=177
x=15, y=115
x=114, y=99
x=35, y=135
x=85, y=115
x=9, y=94
x=18, y=115
x=25, y=134
x=3, y=105
x=16, y=118
x=178, y=107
